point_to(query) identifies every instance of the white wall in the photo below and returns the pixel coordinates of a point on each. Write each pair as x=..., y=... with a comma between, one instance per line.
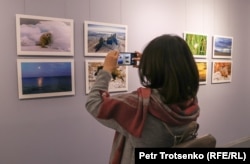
x=60, y=131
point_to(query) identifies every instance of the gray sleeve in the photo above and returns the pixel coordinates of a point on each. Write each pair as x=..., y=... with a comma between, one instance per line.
x=94, y=100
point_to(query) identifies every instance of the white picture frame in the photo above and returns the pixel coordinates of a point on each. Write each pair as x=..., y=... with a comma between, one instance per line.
x=197, y=43
x=100, y=38
x=44, y=36
x=40, y=78
x=202, y=66
x=222, y=47
x=117, y=84
x=222, y=71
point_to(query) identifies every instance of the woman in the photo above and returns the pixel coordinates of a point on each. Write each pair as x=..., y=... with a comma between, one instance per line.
x=149, y=116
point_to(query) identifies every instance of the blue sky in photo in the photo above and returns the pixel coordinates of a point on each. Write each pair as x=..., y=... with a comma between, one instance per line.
x=95, y=27
x=223, y=44
x=45, y=69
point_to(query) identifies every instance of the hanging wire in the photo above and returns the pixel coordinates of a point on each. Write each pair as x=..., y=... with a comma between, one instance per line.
x=24, y=6
x=89, y=10
x=120, y=11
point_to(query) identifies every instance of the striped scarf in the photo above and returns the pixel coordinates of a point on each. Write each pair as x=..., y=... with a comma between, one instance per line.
x=130, y=111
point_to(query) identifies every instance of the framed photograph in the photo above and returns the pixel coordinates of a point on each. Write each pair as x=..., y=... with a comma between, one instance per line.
x=221, y=71
x=197, y=44
x=118, y=82
x=45, y=78
x=100, y=38
x=37, y=35
x=203, y=70
x=222, y=46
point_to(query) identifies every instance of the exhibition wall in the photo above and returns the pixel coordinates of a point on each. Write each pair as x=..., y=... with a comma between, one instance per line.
x=58, y=130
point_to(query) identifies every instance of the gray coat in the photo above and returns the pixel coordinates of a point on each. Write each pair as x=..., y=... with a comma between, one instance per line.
x=154, y=134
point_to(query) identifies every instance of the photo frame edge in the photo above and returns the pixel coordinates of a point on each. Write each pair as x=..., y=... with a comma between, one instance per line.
x=42, y=53
x=45, y=95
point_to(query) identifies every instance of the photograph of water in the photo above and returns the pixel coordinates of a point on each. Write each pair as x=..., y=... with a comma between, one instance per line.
x=46, y=77
x=222, y=47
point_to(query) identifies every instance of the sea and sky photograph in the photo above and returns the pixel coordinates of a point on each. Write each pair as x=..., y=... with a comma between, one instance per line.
x=46, y=77
x=222, y=47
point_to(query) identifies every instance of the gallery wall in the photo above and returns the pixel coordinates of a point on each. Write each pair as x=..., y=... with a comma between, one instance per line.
x=59, y=130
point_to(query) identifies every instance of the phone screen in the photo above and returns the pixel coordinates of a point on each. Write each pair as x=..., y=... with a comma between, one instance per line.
x=126, y=58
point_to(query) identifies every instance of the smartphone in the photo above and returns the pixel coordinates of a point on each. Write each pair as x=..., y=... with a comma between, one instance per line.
x=126, y=58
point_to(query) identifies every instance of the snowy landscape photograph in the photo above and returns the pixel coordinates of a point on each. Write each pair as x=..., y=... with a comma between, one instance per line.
x=38, y=35
x=100, y=38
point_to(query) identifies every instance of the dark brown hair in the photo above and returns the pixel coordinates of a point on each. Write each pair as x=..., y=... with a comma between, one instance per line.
x=168, y=65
